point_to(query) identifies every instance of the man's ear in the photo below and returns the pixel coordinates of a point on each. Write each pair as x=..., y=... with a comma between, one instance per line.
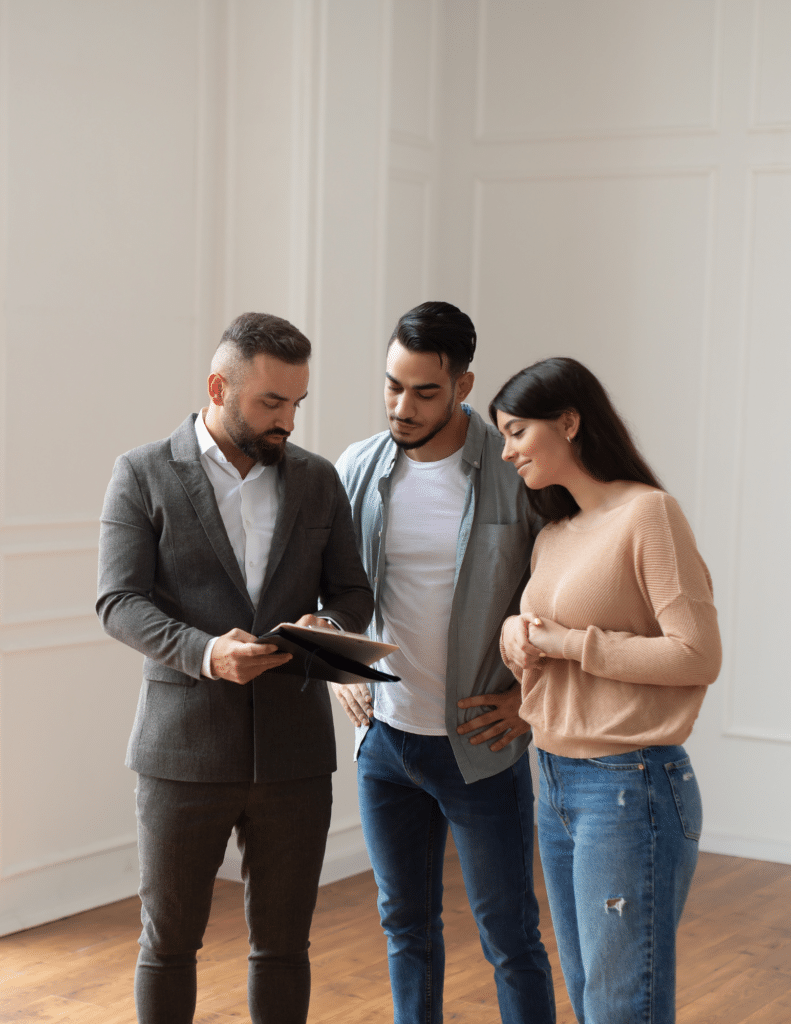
x=464, y=385
x=216, y=387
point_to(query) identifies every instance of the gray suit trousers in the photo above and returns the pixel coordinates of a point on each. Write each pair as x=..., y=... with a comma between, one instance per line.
x=183, y=830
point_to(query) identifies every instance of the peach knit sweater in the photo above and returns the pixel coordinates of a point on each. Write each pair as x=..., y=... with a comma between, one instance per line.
x=644, y=642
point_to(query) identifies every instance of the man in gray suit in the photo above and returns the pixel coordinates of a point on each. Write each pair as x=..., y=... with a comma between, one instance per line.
x=210, y=538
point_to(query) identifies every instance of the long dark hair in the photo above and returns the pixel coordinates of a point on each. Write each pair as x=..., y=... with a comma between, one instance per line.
x=603, y=444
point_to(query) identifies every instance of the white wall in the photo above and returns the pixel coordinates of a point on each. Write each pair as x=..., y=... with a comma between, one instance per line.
x=616, y=186
x=166, y=164
x=609, y=180
x=103, y=324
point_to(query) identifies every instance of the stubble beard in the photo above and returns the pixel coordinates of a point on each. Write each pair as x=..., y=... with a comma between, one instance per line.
x=257, y=447
x=411, y=445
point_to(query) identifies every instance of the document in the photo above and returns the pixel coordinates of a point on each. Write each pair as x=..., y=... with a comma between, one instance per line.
x=320, y=653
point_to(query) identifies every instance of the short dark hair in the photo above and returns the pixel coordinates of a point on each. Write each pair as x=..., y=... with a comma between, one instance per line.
x=254, y=333
x=438, y=327
x=603, y=444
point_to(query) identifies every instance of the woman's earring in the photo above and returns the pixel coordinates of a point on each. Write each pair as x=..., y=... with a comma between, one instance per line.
x=569, y=440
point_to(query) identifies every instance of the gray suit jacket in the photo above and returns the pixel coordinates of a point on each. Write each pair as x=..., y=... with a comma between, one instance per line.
x=169, y=581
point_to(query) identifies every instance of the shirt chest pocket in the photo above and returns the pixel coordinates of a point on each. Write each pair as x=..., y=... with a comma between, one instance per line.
x=497, y=556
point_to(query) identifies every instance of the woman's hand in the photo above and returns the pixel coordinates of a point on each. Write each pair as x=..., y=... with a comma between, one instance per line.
x=517, y=646
x=546, y=636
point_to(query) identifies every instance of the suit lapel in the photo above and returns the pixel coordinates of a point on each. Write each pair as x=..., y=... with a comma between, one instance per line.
x=187, y=466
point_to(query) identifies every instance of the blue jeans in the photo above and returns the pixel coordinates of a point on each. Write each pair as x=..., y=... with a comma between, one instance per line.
x=410, y=790
x=619, y=844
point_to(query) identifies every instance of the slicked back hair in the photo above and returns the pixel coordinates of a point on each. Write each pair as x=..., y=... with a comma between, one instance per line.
x=438, y=327
x=603, y=444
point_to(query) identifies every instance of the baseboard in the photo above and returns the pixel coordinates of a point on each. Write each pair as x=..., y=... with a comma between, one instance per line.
x=346, y=855
x=36, y=896
x=32, y=897
x=751, y=849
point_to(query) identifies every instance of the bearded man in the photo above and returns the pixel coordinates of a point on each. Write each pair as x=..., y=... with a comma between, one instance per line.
x=210, y=538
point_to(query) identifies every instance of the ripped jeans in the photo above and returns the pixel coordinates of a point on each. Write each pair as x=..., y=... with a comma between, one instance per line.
x=619, y=843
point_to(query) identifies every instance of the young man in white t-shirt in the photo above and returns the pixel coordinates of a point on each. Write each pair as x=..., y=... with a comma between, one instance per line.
x=445, y=535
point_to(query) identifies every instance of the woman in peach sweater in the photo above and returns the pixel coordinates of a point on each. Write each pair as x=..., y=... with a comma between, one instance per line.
x=615, y=645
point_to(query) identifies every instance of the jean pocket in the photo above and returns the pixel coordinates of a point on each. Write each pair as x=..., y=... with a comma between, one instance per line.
x=612, y=765
x=686, y=793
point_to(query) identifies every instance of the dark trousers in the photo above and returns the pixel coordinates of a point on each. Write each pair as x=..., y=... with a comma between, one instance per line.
x=183, y=830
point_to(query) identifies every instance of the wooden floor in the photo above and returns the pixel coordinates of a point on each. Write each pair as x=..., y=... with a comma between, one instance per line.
x=734, y=956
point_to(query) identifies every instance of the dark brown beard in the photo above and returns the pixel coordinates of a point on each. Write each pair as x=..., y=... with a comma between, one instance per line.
x=255, y=446
x=258, y=448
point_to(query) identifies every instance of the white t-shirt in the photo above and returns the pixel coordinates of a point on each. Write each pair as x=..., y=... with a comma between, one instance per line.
x=421, y=537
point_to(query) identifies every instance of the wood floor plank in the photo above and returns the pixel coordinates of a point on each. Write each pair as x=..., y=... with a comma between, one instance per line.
x=776, y=1012
x=734, y=999
x=734, y=961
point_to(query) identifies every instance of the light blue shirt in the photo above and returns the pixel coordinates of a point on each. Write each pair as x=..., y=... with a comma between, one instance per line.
x=492, y=567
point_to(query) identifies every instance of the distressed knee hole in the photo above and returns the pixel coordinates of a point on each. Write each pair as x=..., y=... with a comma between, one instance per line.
x=622, y=798
x=617, y=903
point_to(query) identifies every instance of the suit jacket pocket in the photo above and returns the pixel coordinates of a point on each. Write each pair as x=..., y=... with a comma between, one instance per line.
x=160, y=673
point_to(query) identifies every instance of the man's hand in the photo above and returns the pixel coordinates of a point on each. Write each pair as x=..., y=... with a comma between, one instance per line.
x=516, y=642
x=355, y=699
x=312, y=620
x=238, y=658
x=503, y=721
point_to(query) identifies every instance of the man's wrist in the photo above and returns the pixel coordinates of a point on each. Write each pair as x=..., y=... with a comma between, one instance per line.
x=206, y=663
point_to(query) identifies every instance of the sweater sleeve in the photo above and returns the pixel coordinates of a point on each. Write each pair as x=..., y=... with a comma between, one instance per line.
x=675, y=583
x=510, y=665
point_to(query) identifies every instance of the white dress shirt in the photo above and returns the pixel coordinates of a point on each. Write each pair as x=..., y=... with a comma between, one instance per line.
x=248, y=507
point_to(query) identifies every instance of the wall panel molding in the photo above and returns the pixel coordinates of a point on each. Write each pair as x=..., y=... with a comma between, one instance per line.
x=480, y=180
x=64, y=633
x=409, y=235
x=763, y=281
x=776, y=40
x=404, y=43
x=592, y=234
x=211, y=186
x=303, y=156
x=706, y=125
x=5, y=44
x=54, y=593
x=347, y=287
